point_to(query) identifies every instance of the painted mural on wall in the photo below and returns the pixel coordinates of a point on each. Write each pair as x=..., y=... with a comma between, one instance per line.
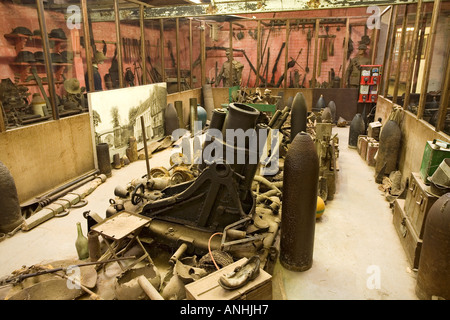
x=116, y=115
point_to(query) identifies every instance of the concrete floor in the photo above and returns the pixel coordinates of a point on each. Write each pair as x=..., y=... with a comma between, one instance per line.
x=357, y=253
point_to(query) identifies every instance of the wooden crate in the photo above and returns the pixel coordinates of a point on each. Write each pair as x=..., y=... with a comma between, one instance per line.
x=419, y=204
x=409, y=239
x=208, y=288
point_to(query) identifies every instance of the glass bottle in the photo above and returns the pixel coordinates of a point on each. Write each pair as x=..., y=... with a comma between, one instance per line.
x=81, y=244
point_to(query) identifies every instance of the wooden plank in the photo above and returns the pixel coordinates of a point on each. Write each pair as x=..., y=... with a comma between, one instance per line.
x=428, y=58
x=413, y=55
x=400, y=55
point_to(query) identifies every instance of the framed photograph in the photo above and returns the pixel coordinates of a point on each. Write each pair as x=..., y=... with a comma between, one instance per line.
x=116, y=115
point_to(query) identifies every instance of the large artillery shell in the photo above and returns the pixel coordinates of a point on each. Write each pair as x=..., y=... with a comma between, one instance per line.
x=433, y=276
x=171, y=122
x=298, y=219
x=299, y=113
x=389, y=148
x=10, y=213
x=103, y=159
x=332, y=107
x=320, y=104
x=357, y=128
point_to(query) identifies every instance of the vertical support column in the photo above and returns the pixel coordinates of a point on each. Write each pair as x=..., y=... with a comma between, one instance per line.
x=445, y=96
x=87, y=45
x=161, y=48
x=375, y=37
x=316, y=53
x=119, y=42
x=387, y=68
x=258, y=53
x=231, y=53
x=2, y=120
x=143, y=55
x=286, y=54
x=203, y=51
x=47, y=58
x=413, y=55
x=177, y=45
x=428, y=57
x=191, y=75
x=344, y=59
x=400, y=55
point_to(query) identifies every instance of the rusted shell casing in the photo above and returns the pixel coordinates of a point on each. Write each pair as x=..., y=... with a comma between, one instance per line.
x=104, y=159
x=320, y=104
x=357, y=128
x=389, y=148
x=332, y=107
x=171, y=122
x=299, y=113
x=298, y=219
x=10, y=212
x=433, y=276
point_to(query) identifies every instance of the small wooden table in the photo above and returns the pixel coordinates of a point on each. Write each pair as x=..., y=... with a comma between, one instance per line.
x=117, y=229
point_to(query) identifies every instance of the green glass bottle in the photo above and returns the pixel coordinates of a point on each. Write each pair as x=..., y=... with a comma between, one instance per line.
x=81, y=244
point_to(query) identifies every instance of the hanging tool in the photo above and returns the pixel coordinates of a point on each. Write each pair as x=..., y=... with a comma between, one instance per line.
x=274, y=69
x=308, y=38
x=293, y=62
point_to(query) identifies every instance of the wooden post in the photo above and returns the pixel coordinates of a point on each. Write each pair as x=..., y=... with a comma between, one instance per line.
x=87, y=45
x=375, y=36
x=2, y=120
x=286, y=56
x=413, y=55
x=231, y=53
x=387, y=68
x=400, y=55
x=344, y=59
x=258, y=52
x=423, y=25
x=445, y=96
x=191, y=71
x=47, y=59
x=428, y=57
x=316, y=53
x=143, y=55
x=177, y=39
x=119, y=42
x=161, y=48
x=203, y=52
